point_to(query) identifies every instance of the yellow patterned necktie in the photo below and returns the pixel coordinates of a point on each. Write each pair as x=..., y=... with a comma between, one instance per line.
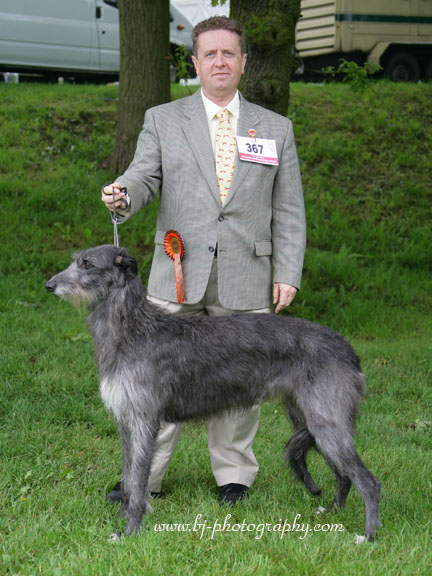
x=225, y=153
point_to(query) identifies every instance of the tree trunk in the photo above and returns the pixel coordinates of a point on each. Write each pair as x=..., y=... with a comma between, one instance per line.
x=270, y=30
x=144, y=71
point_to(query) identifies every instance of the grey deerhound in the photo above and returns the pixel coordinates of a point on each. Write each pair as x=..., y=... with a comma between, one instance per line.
x=154, y=366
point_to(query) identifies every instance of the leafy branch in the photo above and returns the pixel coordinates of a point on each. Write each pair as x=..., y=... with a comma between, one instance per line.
x=356, y=76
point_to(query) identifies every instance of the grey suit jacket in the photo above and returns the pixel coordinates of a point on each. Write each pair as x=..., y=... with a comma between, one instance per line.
x=259, y=232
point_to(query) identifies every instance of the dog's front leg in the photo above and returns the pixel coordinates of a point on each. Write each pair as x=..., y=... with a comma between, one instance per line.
x=127, y=457
x=142, y=439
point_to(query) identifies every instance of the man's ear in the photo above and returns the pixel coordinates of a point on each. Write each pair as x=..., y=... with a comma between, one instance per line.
x=244, y=59
x=127, y=264
x=195, y=63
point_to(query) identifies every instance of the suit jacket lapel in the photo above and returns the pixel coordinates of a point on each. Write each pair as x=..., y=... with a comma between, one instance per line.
x=247, y=120
x=196, y=130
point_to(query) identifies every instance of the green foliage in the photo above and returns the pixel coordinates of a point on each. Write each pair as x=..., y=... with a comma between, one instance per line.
x=182, y=63
x=366, y=173
x=270, y=31
x=356, y=76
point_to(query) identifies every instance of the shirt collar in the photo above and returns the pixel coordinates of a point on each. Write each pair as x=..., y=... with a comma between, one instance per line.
x=212, y=109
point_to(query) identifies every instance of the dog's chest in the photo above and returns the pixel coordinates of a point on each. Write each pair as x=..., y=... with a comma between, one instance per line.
x=113, y=396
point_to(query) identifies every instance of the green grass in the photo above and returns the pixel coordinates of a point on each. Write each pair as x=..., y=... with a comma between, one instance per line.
x=365, y=162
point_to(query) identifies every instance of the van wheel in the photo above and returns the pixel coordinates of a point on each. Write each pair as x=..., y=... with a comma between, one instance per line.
x=402, y=67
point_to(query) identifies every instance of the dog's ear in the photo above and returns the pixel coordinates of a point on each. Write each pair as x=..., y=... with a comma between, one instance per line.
x=127, y=264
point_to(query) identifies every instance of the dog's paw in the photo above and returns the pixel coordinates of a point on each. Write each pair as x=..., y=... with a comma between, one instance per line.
x=360, y=539
x=133, y=527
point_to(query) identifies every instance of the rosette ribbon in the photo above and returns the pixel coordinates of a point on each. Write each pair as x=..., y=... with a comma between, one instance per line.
x=174, y=248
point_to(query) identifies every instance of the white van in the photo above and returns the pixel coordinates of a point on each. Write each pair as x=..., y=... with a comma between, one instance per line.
x=69, y=36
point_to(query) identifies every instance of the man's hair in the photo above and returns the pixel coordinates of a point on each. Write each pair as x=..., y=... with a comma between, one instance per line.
x=219, y=23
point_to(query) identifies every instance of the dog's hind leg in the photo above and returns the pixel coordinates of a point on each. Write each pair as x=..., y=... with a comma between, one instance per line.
x=142, y=439
x=295, y=455
x=298, y=445
x=337, y=447
x=343, y=488
x=369, y=488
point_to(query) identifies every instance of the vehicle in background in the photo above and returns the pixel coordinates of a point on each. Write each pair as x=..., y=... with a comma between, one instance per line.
x=395, y=34
x=69, y=37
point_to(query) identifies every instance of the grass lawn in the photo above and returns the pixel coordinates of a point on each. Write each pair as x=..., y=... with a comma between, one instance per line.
x=366, y=167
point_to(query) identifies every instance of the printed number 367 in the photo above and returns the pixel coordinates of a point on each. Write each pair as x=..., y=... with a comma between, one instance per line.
x=255, y=148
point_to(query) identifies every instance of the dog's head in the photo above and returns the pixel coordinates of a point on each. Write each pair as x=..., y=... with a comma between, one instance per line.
x=93, y=273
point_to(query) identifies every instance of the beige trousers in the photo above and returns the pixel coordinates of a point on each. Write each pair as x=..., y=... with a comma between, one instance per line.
x=230, y=437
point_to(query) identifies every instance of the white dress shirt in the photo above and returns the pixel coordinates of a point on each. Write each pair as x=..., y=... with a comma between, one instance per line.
x=212, y=109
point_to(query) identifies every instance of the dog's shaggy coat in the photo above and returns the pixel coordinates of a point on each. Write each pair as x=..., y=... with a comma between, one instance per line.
x=154, y=366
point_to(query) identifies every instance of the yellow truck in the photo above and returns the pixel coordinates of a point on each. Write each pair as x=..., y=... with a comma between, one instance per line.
x=396, y=34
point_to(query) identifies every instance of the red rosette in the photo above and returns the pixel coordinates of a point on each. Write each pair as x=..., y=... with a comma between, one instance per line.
x=174, y=245
x=174, y=248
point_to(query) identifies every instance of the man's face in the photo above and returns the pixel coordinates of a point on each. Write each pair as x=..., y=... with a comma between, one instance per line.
x=219, y=64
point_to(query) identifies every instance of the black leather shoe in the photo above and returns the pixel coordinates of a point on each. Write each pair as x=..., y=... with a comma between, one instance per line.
x=233, y=493
x=116, y=495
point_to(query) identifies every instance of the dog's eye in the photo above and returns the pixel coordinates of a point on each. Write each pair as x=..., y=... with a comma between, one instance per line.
x=86, y=263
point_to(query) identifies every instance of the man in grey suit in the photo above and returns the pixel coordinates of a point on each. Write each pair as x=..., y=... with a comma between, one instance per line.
x=238, y=243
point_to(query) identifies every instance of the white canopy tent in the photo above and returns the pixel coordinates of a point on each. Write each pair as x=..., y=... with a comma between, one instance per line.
x=197, y=10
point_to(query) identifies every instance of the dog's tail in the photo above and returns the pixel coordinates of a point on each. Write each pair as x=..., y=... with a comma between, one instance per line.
x=295, y=455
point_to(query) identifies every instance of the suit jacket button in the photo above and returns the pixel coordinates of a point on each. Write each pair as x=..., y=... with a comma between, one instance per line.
x=221, y=218
x=211, y=249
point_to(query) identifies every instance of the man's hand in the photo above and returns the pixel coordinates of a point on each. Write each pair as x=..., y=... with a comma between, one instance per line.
x=283, y=295
x=112, y=193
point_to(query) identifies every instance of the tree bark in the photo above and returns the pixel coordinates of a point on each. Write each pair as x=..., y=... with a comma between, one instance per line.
x=270, y=31
x=144, y=71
